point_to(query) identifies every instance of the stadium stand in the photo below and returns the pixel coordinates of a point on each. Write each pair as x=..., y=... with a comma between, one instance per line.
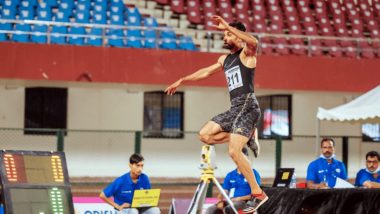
x=306, y=27
x=122, y=23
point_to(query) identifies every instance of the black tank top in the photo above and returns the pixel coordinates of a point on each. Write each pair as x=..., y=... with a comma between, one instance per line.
x=239, y=77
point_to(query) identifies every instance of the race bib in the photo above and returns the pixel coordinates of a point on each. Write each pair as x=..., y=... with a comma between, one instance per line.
x=233, y=76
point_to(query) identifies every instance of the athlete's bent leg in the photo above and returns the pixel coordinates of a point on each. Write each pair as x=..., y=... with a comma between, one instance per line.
x=258, y=197
x=235, y=147
x=211, y=133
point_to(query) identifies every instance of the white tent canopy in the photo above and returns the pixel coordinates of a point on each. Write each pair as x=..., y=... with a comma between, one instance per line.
x=365, y=108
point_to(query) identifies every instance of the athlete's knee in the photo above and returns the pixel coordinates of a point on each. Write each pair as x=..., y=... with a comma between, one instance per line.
x=234, y=152
x=205, y=138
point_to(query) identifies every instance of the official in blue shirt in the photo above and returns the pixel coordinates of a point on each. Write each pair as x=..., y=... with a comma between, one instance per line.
x=237, y=188
x=323, y=172
x=119, y=193
x=370, y=176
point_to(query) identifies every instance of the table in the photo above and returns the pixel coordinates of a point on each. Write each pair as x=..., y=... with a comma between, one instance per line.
x=321, y=201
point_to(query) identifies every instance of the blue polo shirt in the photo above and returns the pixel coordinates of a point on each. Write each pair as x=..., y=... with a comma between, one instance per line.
x=122, y=188
x=238, y=184
x=321, y=171
x=364, y=176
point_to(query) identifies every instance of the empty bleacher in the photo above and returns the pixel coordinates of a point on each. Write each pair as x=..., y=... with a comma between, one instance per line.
x=333, y=28
x=305, y=27
x=84, y=22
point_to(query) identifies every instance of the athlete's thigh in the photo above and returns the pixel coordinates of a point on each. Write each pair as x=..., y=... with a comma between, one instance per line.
x=210, y=128
x=224, y=120
x=247, y=118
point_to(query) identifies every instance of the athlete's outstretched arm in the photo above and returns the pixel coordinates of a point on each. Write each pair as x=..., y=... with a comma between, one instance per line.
x=198, y=75
x=250, y=41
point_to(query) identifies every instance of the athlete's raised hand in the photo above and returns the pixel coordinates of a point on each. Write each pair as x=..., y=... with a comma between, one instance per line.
x=170, y=90
x=221, y=24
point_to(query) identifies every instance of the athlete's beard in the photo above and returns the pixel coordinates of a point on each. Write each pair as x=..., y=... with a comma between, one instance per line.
x=227, y=46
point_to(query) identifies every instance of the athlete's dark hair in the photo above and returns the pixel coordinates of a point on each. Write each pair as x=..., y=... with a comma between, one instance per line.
x=372, y=154
x=136, y=158
x=238, y=25
x=327, y=139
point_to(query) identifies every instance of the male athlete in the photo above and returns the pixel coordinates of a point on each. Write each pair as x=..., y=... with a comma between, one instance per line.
x=235, y=126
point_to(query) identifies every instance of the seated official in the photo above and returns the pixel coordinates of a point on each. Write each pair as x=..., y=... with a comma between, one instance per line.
x=238, y=190
x=323, y=172
x=123, y=187
x=369, y=177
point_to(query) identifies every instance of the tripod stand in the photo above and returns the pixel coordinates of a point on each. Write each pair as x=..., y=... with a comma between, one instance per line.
x=207, y=166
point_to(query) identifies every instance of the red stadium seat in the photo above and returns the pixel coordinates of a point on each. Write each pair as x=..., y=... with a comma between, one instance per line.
x=242, y=15
x=259, y=14
x=209, y=10
x=178, y=6
x=163, y=1
x=242, y=5
x=341, y=29
x=225, y=10
x=281, y=46
x=259, y=26
x=357, y=27
x=316, y=48
x=193, y=12
x=368, y=17
x=326, y=29
x=376, y=8
x=297, y=44
x=366, y=50
x=308, y=20
x=266, y=46
x=275, y=13
x=258, y=8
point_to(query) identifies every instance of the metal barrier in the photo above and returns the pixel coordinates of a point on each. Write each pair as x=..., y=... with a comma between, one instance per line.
x=56, y=139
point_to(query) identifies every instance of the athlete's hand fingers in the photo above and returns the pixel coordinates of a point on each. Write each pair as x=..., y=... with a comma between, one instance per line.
x=216, y=26
x=170, y=90
x=216, y=18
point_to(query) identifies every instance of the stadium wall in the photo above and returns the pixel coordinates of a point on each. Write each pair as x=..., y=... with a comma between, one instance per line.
x=112, y=99
x=147, y=66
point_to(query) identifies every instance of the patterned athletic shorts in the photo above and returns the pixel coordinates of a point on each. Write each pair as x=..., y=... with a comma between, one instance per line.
x=242, y=117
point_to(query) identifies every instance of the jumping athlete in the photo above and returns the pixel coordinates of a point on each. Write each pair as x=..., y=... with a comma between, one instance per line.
x=237, y=125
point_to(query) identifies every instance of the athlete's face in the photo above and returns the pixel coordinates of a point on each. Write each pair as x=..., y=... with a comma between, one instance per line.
x=372, y=163
x=327, y=148
x=136, y=169
x=230, y=40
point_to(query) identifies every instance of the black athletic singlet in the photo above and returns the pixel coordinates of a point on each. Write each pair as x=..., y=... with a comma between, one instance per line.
x=239, y=77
